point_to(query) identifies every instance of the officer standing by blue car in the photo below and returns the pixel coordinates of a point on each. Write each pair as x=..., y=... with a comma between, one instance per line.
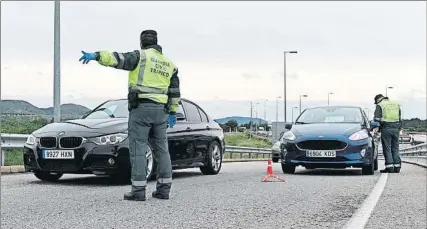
x=388, y=115
x=153, y=98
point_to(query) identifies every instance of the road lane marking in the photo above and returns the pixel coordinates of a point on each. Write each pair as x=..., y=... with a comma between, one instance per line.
x=361, y=216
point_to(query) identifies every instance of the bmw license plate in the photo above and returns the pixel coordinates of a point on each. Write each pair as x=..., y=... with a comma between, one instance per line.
x=58, y=154
x=321, y=153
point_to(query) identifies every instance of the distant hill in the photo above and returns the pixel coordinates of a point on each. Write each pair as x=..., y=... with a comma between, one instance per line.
x=21, y=107
x=240, y=120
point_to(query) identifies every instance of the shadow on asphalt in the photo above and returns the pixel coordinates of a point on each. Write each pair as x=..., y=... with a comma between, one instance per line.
x=106, y=180
x=329, y=172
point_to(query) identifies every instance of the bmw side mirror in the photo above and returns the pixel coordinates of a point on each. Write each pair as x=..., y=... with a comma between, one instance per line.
x=180, y=116
x=288, y=126
x=374, y=124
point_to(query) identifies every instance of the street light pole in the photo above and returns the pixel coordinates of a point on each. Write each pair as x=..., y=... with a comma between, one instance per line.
x=250, y=123
x=300, y=102
x=256, y=117
x=330, y=93
x=56, y=65
x=293, y=113
x=265, y=110
x=277, y=113
x=284, y=76
x=388, y=87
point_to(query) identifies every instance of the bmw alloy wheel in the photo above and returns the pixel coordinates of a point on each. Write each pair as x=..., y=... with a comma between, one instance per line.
x=216, y=157
x=150, y=162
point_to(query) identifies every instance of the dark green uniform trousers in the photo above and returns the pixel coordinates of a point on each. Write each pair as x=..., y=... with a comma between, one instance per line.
x=149, y=120
x=390, y=143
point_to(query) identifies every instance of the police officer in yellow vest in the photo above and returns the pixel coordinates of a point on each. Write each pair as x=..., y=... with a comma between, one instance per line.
x=388, y=114
x=153, y=97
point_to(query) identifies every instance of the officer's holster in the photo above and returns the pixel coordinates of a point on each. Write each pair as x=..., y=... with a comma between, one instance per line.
x=133, y=101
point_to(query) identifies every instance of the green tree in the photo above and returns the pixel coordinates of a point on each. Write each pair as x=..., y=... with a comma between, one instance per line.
x=232, y=124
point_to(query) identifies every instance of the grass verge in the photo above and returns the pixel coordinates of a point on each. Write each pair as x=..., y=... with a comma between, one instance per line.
x=13, y=157
x=242, y=139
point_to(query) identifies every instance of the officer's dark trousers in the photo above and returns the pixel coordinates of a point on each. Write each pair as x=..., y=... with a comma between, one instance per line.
x=390, y=143
x=149, y=119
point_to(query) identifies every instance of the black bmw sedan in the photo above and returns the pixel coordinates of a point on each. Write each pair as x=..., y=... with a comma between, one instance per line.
x=97, y=143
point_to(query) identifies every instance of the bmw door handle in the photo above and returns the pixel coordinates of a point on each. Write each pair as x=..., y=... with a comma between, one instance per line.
x=188, y=129
x=208, y=127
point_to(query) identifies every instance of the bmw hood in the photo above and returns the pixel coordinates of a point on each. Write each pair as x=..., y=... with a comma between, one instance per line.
x=84, y=127
x=345, y=129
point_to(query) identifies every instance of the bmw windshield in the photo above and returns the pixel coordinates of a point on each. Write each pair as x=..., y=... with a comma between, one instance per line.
x=110, y=109
x=331, y=115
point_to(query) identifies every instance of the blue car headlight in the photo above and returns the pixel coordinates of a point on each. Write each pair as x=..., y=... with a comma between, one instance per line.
x=110, y=139
x=289, y=136
x=359, y=135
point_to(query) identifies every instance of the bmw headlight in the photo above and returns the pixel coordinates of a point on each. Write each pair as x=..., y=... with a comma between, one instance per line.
x=31, y=140
x=276, y=146
x=289, y=136
x=359, y=135
x=110, y=139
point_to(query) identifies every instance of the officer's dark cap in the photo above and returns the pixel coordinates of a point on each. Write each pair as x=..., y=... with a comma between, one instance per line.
x=148, y=37
x=377, y=97
x=149, y=31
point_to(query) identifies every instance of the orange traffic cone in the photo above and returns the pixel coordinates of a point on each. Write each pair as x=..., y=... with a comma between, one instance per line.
x=270, y=173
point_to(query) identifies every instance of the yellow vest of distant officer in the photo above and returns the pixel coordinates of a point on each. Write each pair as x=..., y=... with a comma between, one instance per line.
x=390, y=111
x=151, y=78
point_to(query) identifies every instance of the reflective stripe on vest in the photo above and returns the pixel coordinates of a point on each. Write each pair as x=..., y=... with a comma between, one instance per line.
x=390, y=111
x=151, y=78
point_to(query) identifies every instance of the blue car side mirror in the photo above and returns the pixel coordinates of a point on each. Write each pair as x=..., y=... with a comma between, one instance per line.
x=374, y=124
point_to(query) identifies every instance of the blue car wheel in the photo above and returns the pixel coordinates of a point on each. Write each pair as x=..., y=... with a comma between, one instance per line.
x=290, y=169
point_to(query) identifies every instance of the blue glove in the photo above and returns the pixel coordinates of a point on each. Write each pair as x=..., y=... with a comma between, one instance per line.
x=172, y=120
x=87, y=57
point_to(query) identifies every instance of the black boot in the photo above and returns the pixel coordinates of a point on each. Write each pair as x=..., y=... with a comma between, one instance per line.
x=160, y=195
x=397, y=169
x=135, y=196
x=387, y=170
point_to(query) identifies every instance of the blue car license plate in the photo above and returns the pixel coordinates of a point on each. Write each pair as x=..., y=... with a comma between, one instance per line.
x=321, y=153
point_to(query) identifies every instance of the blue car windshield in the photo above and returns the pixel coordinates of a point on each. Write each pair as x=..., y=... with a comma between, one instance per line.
x=110, y=109
x=331, y=115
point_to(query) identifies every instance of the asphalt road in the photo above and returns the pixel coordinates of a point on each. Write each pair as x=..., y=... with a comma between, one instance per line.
x=235, y=198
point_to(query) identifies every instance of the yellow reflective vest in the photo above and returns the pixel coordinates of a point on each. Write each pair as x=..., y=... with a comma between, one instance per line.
x=390, y=111
x=151, y=78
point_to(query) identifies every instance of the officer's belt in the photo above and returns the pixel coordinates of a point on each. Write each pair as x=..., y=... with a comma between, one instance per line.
x=145, y=100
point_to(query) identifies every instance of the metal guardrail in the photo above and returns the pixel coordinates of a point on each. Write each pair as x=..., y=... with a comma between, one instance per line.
x=16, y=141
x=417, y=150
x=230, y=150
x=13, y=141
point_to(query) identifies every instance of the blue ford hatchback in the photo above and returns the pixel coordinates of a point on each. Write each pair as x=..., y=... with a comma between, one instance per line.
x=330, y=137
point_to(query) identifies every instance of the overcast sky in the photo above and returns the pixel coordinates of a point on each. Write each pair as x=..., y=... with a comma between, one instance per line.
x=224, y=50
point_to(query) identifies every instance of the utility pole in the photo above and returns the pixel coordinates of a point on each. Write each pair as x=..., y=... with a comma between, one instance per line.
x=57, y=65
